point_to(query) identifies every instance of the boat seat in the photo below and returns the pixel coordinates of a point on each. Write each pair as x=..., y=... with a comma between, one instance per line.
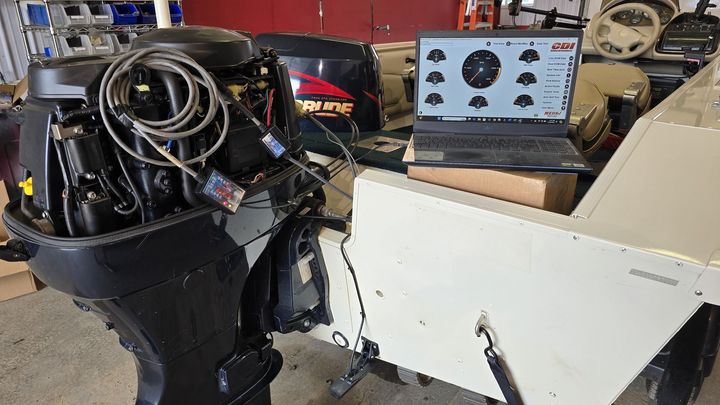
x=626, y=87
x=589, y=119
x=397, y=64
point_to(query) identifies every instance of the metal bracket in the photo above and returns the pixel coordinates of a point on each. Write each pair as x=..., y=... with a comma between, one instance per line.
x=60, y=132
x=342, y=385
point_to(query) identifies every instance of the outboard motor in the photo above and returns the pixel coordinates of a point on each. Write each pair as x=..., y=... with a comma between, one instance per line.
x=332, y=73
x=156, y=183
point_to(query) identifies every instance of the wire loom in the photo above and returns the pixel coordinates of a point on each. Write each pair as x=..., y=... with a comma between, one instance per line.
x=115, y=90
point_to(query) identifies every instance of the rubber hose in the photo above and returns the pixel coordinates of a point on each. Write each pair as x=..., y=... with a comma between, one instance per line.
x=176, y=105
x=69, y=216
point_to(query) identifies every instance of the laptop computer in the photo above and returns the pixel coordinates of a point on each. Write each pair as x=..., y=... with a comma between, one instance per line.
x=496, y=99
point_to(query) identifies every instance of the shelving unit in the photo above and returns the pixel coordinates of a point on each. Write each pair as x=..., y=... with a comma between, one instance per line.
x=34, y=35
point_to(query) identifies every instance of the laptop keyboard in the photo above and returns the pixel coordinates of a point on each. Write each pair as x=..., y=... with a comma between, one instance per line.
x=428, y=142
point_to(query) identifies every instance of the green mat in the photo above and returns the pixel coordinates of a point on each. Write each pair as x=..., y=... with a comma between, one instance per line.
x=317, y=142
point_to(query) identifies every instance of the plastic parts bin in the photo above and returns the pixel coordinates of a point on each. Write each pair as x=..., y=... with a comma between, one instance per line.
x=69, y=15
x=102, y=44
x=123, y=42
x=101, y=14
x=75, y=46
x=125, y=14
x=175, y=13
x=147, y=13
x=37, y=14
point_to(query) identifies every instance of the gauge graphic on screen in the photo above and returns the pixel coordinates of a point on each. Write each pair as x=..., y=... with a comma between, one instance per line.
x=481, y=69
x=524, y=100
x=478, y=102
x=436, y=55
x=530, y=56
x=434, y=99
x=435, y=77
x=526, y=79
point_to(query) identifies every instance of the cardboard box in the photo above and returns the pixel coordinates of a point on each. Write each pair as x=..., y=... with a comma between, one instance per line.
x=12, y=94
x=548, y=191
x=15, y=277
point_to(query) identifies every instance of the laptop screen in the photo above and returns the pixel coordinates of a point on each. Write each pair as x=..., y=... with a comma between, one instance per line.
x=510, y=78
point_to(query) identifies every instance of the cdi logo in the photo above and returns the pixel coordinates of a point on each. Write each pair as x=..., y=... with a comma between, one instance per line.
x=563, y=46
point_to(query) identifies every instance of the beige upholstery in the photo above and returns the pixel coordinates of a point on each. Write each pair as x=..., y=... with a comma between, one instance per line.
x=614, y=79
x=589, y=120
x=393, y=65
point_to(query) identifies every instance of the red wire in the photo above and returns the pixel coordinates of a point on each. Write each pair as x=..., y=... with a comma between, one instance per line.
x=270, y=100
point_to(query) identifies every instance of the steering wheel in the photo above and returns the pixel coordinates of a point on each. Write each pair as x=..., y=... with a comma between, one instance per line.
x=622, y=37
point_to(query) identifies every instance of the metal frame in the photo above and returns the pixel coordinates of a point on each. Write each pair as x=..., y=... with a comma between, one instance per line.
x=55, y=32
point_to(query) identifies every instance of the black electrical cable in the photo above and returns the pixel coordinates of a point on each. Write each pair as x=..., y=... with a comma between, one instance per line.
x=103, y=178
x=320, y=179
x=340, y=168
x=69, y=212
x=351, y=269
x=270, y=230
x=269, y=207
x=354, y=133
x=336, y=141
x=346, y=219
x=255, y=202
x=134, y=189
x=68, y=193
x=120, y=196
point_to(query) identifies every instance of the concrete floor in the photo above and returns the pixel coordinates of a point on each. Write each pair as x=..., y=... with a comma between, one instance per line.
x=52, y=353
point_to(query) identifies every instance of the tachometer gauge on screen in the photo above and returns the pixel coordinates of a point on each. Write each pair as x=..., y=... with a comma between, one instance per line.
x=478, y=102
x=434, y=99
x=524, y=100
x=436, y=55
x=481, y=69
x=435, y=77
x=530, y=56
x=526, y=79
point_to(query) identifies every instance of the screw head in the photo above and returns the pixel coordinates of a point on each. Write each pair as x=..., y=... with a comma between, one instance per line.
x=698, y=293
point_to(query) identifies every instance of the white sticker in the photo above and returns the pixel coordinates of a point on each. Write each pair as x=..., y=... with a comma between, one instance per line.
x=102, y=47
x=79, y=48
x=304, y=268
x=76, y=17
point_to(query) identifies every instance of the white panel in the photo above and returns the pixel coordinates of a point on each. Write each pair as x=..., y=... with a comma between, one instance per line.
x=572, y=315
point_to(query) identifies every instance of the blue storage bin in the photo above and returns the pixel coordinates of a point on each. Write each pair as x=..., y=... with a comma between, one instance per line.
x=175, y=13
x=125, y=14
x=147, y=13
x=38, y=14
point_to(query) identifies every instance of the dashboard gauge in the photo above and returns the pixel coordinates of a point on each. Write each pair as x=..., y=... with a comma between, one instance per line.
x=665, y=13
x=436, y=55
x=530, y=56
x=435, y=77
x=434, y=99
x=524, y=100
x=481, y=69
x=526, y=79
x=622, y=15
x=478, y=102
x=636, y=18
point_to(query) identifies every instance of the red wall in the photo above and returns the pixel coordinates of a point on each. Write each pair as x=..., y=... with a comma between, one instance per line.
x=350, y=18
